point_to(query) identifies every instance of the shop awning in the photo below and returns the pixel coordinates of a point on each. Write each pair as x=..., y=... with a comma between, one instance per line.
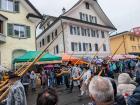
x=31, y=55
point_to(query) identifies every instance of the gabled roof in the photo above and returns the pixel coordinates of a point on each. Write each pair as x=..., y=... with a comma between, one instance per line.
x=97, y=8
x=31, y=5
x=119, y=34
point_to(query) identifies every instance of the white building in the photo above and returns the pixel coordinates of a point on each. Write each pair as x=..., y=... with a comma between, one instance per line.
x=84, y=29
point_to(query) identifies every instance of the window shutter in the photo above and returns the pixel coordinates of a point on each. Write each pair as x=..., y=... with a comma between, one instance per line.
x=9, y=29
x=80, y=49
x=17, y=6
x=95, y=20
x=28, y=32
x=81, y=17
x=90, y=47
x=72, y=46
x=84, y=47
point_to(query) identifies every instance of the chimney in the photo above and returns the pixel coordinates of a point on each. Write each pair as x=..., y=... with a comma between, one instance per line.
x=63, y=10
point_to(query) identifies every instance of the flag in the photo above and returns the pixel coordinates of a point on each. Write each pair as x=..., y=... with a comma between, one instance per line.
x=136, y=30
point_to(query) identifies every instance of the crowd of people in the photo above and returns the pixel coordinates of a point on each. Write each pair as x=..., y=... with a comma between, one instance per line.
x=99, y=82
x=106, y=83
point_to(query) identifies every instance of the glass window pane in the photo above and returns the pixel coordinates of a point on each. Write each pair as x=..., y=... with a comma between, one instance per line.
x=10, y=5
x=4, y=4
x=22, y=31
x=16, y=30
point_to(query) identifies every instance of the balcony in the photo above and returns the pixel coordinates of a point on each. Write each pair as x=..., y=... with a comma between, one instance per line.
x=2, y=38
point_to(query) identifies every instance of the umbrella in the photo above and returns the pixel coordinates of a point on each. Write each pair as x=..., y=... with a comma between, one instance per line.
x=130, y=56
x=73, y=60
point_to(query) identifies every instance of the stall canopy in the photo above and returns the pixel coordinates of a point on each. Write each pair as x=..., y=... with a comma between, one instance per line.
x=72, y=59
x=31, y=55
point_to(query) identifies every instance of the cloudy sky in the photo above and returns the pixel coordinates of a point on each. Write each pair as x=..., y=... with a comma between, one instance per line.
x=124, y=14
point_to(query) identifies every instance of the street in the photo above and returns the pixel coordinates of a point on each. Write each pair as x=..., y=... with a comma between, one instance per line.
x=65, y=98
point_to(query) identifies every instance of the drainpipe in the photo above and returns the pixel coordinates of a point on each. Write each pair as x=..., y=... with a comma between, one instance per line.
x=64, y=46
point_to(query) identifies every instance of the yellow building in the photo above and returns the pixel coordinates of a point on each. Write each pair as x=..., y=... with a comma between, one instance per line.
x=126, y=43
x=18, y=21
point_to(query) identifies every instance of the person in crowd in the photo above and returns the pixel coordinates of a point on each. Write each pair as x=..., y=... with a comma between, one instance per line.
x=134, y=99
x=101, y=91
x=25, y=80
x=86, y=76
x=47, y=97
x=119, y=99
x=124, y=85
x=44, y=79
x=66, y=77
x=33, y=80
x=75, y=73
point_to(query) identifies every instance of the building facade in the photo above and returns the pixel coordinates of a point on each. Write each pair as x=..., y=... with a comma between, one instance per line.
x=18, y=20
x=130, y=43
x=82, y=30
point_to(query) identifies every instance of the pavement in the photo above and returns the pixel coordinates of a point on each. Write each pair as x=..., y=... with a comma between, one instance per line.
x=65, y=98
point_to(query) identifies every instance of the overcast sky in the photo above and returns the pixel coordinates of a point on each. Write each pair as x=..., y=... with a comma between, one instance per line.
x=124, y=14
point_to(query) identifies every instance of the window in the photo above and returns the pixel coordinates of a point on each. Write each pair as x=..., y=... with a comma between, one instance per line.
x=71, y=29
x=103, y=34
x=1, y=26
x=74, y=46
x=43, y=42
x=80, y=48
x=18, y=31
x=86, y=17
x=96, y=47
x=90, y=47
x=132, y=38
x=74, y=28
x=87, y=5
x=92, y=19
x=81, y=15
x=84, y=46
x=82, y=31
x=48, y=38
x=55, y=32
x=78, y=30
x=97, y=33
x=88, y=32
x=56, y=49
x=40, y=44
x=85, y=32
x=92, y=33
x=104, y=47
x=9, y=5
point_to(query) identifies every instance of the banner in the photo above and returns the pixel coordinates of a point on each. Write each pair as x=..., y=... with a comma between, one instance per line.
x=136, y=30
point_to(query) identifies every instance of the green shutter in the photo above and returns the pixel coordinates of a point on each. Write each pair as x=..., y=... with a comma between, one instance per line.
x=16, y=6
x=28, y=31
x=9, y=29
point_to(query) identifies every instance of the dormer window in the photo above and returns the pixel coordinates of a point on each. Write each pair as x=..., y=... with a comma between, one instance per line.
x=9, y=5
x=87, y=5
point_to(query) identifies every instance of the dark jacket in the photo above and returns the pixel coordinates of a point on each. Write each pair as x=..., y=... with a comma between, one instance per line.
x=134, y=99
